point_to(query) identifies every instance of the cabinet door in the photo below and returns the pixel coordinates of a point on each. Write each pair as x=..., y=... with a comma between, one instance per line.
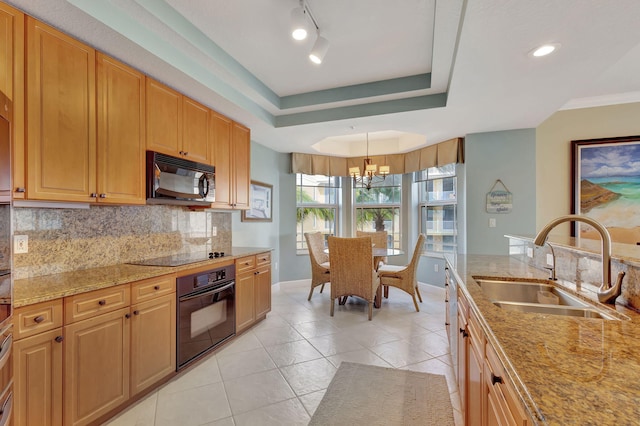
x=245, y=299
x=241, y=138
x=61, y=144
x=121, y=133
x=475, y=387
x=153, y=341
x=221, y=158
x=262, y=290
x=164, y=119
x=37, y=367
x=96, y=365
x=195, y=135
x=12, y=85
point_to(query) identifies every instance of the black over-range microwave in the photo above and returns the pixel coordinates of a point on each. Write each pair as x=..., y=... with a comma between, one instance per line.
x=172, y=180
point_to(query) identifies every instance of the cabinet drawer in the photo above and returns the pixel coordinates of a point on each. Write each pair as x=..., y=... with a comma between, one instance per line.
x=245, y=263
x=37, y=318
x=473, y=327
x=87, y=305
x=152, y=288
x=263, y=259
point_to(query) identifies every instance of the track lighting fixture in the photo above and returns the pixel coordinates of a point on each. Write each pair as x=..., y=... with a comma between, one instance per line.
x=299, y=31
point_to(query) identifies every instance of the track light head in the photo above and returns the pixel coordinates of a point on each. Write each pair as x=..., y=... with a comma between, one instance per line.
x=298, y=23
x=319, y=50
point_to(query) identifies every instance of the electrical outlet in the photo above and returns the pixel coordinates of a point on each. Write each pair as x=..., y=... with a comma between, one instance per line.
x=214, y=231
x=492, y=222
x=435, y=267
x=530, y=252
x=20, y=244
x=276, y=266
x=550, y=259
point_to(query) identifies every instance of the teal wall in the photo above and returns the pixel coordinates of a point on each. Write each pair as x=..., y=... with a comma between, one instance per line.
x=267, y=166
x=511, y=157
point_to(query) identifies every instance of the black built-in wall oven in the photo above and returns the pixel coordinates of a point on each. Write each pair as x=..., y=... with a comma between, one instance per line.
x=206, y=312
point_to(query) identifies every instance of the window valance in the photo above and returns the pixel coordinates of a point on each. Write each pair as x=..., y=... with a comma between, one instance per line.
x=447, y=152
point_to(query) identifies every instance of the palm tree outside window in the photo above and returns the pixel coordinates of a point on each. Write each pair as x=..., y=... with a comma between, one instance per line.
x=317, y=205
x=378, y=208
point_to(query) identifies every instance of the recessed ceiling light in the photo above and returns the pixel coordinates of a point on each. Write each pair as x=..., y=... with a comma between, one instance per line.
x=545, y=49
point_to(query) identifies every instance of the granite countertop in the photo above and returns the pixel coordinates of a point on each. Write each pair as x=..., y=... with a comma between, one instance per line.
x=566, y=370
x=28, y=291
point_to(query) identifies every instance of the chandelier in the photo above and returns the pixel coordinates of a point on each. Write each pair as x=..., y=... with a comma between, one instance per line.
x=370, y=172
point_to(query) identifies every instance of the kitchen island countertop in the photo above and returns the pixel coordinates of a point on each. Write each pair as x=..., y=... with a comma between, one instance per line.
x=566, y=370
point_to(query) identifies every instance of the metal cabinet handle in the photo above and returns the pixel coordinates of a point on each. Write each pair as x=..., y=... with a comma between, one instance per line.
x=446, y=323
x=38, y=319
x=20, y=189
x=464, y=332
x=59, y=339
x=127, y=316
x=156, y=287
x=495, y=379
x=136, y=312
x=93, y=195
x=102, y=302
x=103, y=195
x=186, y=153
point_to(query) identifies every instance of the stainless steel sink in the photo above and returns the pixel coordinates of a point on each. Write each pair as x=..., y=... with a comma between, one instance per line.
x=540, y=297
x=528, y=292
x=571, y=311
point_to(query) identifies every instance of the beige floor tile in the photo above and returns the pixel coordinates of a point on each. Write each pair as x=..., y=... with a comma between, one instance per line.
x=316, y=328
x=257, y=390
x=244, y=363
x=195, y=406
x=293, y=353
x=335, y=344
x=364, y=356
x=206, y=372
x=278, y=335
x=309, y=376
x=312, y=400
x=290, y=412
x=141, y=414
x=244, y=342
x=401, y=353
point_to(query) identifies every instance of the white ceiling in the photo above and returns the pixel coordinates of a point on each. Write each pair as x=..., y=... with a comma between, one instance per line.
x=436, y=69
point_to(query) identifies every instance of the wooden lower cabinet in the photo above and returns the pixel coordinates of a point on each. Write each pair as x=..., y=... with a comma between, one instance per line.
x=486, y=396
x=96, y=366
x=253, y=289
x=153, y=341
x=38, y=379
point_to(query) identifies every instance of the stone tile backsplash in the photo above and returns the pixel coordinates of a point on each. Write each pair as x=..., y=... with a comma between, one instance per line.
x=62, y=240
x=5, y=232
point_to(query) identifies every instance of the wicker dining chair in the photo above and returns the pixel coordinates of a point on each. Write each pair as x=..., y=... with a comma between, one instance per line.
x=379, y=240
x=404, y=277
x=320, y=274
x=352, y=272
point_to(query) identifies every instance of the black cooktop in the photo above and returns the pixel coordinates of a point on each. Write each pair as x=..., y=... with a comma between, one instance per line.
x=178, y=259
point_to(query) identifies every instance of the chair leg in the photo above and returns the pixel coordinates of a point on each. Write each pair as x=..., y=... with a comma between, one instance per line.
x=370, y=310
x=322, y=288
x=386, y=291
x=310, y=294
x=415, y=302
x=418, y=293
x=333, y=304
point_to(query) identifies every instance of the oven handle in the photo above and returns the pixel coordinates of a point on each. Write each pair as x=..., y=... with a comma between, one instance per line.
x=207, y=293
x=5, y=350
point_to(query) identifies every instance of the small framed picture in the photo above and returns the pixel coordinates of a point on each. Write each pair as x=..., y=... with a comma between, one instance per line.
x=260, y=203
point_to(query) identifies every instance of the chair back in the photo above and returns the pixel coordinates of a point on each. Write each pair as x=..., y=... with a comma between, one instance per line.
x=378, y=238
x=352, y=267
x=315, y=244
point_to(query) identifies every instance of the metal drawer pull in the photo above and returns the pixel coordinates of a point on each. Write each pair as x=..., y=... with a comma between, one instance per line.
x=102, y=302
x=59, y=339
x=156, y=287
x=38, y=319
x=136, y=312
x=495, y=379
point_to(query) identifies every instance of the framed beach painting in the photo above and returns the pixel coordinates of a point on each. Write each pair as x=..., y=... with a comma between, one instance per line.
x=606, y=187
x=260, y=203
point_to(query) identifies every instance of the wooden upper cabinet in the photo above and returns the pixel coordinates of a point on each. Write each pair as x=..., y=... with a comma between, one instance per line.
x=12, y=85
x=221, y=158
x=241, y=139
x=195, y=131
x=176, y=124
x=61, y=141
x=164, y=112
x=121, y=133
x=231, y=152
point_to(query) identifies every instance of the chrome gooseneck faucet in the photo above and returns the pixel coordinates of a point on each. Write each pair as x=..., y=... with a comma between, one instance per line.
x=607, y=293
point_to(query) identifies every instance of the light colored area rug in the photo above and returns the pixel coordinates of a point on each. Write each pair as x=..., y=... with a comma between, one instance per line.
x=368, y=395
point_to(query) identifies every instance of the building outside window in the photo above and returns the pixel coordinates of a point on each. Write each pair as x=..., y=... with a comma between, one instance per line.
x=317, y=204
x=438, y=202
x=378, y=209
